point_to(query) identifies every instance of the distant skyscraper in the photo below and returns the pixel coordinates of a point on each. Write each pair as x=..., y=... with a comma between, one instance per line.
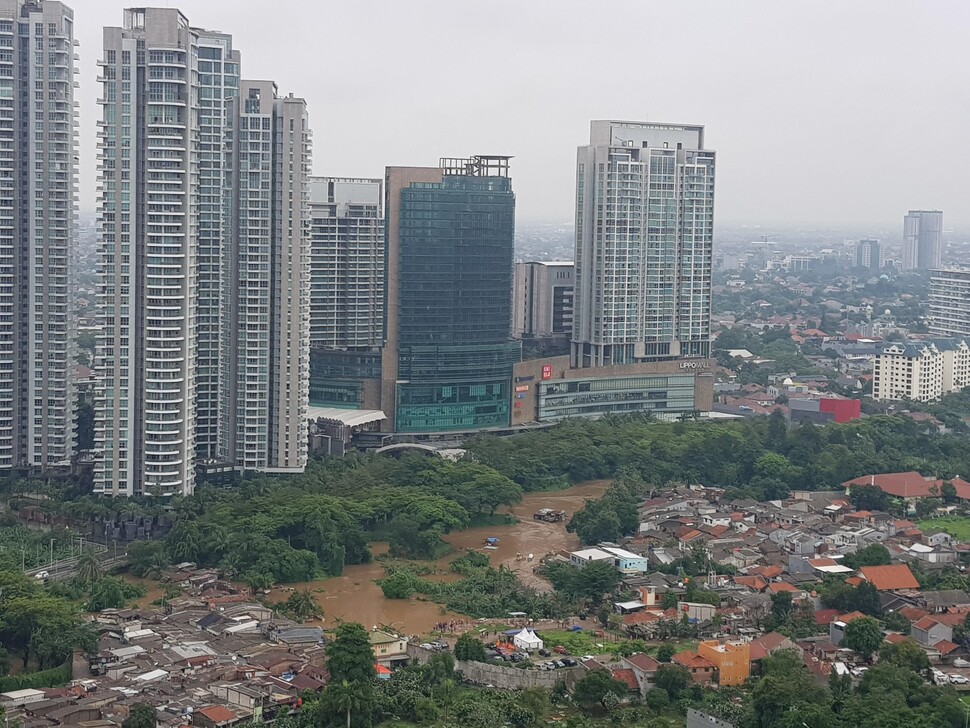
x=923, y=240
x=868, y=254
x=949, y=310
x=644, y=236
x=450, y=238
x=38, y=198
x=542, y=300
x=267, y=320
x=203, y=264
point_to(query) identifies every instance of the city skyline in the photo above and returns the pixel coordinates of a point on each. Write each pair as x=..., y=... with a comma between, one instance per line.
x=841, y=109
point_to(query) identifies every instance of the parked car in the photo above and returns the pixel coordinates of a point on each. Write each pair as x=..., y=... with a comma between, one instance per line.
x=569, y=662
x=960, y=662
x=560, y=663
x=544, y=652
x=559, y=650
x=42, y=575
x=959, y=680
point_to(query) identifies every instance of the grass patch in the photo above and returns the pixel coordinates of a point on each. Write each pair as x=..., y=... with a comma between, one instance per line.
x=956, y=526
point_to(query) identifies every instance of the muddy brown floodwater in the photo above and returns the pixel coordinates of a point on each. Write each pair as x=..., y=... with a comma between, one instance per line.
x=355, y=597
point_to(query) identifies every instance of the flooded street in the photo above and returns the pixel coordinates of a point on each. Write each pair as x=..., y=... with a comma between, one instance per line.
x=529, y=536
x=355, y=597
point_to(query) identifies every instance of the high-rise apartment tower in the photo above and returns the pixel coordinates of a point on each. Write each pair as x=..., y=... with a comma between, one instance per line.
x=868, y=254
x=644, y=235
x=949, y=309
x=38, y=199
x=204, y=299
x=267, y=316
x=922, y=240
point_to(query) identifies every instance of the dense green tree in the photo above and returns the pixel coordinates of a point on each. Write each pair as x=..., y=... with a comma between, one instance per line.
x=781, y=605
x=140, y=716
x=592, y=581
x=592, y=690
x=870, y=498
x=147, y=558
x=672, y=678
x=873, y=555
x=397, y=585
x=469, y=648
x=107, y=593
x=786, y=685
x=907, y=654
x=349, y=655
x=863, y=635
x=665, y=652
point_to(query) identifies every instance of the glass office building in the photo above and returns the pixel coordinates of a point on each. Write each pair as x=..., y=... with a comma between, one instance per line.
x=454, y=267
x=665, y=396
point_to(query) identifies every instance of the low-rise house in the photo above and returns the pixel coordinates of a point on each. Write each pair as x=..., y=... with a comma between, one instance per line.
x=929, y=631
x=892, y=577
x=945, y=599
x=390, y=650
x=837, y=626
x=701, y=669
x=732, y=660
x=644, y=667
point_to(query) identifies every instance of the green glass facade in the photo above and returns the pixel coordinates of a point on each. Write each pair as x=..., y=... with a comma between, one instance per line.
x=336, y=377
x=455, y=266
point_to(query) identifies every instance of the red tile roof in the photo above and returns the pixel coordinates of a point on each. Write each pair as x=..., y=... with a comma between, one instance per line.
x=902, y=485
x=218, y=713
x=854, y=580
x=824, y=616
x=910, y=484
x=912, y=613
x=945, y=647
x=851, y=617
x=758, y=583
x=687, y=658
x=771, y=641
x=768, y=572
x=626, y=675
x=890, y=578
x=925, y=623
x=643, y=662
x=951, y=618
x=781, y=586
x=895, y=638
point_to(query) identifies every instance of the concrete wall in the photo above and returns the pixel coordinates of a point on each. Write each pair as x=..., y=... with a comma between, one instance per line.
x=506, y=678
x=514, y=678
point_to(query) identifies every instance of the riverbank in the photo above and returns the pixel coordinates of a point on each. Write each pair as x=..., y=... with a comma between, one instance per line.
x=355, y=596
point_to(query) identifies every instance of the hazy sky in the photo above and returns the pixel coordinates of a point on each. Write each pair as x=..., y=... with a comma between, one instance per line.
x=821, y=111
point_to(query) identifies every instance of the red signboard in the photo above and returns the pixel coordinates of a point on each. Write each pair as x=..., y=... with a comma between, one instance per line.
x=547, y=371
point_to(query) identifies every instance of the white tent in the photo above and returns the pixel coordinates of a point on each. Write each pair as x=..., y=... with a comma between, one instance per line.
x=527, y=640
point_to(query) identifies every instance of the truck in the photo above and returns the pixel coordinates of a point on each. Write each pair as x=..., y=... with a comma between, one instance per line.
x=549, y=515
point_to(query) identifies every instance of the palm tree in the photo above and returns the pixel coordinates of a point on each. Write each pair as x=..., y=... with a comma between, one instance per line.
x=219, y=540
x=88, y=568
x=157, y=567
x=345, y=698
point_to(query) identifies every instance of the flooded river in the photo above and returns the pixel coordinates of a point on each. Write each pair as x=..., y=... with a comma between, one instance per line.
x=355, y=597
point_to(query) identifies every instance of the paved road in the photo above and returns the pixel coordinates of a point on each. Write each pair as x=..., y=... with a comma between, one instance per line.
x=67, y=568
